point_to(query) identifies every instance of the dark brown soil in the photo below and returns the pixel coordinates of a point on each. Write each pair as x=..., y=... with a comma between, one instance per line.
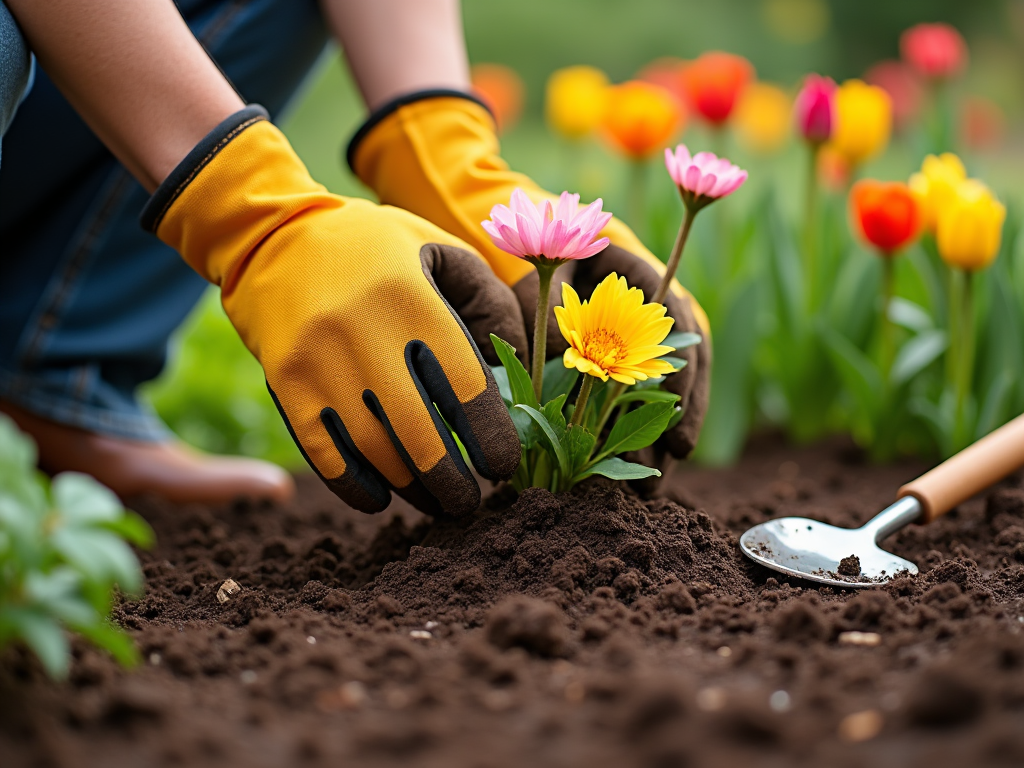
x=587, y=629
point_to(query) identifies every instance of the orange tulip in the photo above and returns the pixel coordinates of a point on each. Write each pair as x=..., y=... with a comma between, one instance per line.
x=501, y=89
x=886, y=213
x=641, y=118
x=714, y=82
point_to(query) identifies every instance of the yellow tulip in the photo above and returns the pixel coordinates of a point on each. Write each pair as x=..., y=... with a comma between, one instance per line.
x=762, y=118
x=970, y=227
x=576, y=100
x=863, y=121
x=936, y=185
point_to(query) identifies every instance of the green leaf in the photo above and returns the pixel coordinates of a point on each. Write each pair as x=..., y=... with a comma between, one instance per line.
x=135, y=529
x=83, y=501
x=501, y=379
x=682, y=339
x=551, y=435
x=993, y=410
x=617, y=469
x=553, y=413
x=520, y=386
x=638, y=429
x=646, y=396
x=111, y=639
x=579, y=443
x=558, y=380
x=917, y=354
x=677, y=363
x=857, y=371
x=100, y=556
x=911, y=316
x=43, y=635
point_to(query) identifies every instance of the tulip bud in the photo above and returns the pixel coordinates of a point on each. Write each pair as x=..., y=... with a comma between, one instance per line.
x=815, y=109
x=713, y=84
x=575, y=100
x=641, y=118
x=970, y=227
x=936, y=184
x=863, y=121
x=937, y=51
x=887, y=214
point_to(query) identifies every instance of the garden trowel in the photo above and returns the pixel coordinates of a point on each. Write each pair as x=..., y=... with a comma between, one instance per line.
x=844, y=557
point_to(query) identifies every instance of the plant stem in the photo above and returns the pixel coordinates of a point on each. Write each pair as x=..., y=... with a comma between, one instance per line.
x=886, y=350
x=606, y=410
x=540, y=329
x=965, y=363
x=637, y=200
x=579, y=415
x=674, y=257
x=954, y=327
x=810, y=229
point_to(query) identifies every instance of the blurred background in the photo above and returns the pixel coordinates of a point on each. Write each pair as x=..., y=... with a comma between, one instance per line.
x=213, y=392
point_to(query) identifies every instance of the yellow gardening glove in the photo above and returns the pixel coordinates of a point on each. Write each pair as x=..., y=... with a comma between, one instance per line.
x=363, y=317
x=436, y=153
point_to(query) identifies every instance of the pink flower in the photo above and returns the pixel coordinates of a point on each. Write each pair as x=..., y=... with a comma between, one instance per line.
x=815, y=109
x=935, y=50
x=703, y=178
x=542, y=231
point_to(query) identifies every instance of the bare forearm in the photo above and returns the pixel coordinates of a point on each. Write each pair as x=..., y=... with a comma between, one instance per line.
x=134, y=72
x=400, y=46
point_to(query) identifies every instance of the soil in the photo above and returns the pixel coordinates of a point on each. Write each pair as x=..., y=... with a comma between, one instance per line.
x=591, y=628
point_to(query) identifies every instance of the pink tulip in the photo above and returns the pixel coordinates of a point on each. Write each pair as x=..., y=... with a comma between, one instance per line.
x=558, y=233
x=704, y=177
x=815, y=109
x=937, y=51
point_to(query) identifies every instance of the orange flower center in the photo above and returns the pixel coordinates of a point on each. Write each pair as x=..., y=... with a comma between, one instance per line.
x=603, y=347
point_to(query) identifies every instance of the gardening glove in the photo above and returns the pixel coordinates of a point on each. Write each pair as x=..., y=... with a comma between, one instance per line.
x=435, y=153
x=364, y=318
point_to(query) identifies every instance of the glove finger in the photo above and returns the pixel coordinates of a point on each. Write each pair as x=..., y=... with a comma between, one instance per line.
x=354, y=479
x=478, y=299
x=527, y=291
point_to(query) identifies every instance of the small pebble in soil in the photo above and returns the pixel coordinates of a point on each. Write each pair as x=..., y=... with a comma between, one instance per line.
x=155, y=659
x=861, y=726
x=431, y=625
x=711, y=699
x=248, y=677
x=227, y=590
x=311, y=640
x=849, y=566
x=725, y=651
x=420, y=634
x=870, y=639
x=780, y=701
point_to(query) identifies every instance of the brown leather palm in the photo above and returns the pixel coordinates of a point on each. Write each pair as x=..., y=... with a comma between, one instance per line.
x=692, y=383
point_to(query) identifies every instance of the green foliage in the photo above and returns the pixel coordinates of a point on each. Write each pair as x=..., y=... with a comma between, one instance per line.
x=63, y=551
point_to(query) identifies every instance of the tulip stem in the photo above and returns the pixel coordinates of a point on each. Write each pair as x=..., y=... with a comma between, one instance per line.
x=673, y=259
x=637, y=201
x=810, y=228
x=965, y=358
x=540, y=328
x=888, y=267
x=579, y=415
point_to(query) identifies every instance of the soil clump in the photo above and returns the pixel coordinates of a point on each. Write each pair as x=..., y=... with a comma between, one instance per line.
x=593, y=627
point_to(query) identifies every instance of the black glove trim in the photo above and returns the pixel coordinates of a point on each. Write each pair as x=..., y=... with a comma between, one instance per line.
x=202, y=153
x=397, y=103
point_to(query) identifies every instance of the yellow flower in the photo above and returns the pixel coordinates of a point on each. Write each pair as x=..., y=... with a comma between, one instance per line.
x=576, y=99
x=762, y=118
x=863, y=121
x=936, y=185
x=614, y=333
x=970, y=227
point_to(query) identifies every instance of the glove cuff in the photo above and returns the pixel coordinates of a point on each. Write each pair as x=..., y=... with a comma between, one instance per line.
x=384, y=112
x=194, y=162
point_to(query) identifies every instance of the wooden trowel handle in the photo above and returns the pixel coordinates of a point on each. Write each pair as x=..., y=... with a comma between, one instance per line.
x=974, y=469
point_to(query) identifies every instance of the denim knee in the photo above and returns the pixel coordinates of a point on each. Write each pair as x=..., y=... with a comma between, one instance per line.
x=15, y=68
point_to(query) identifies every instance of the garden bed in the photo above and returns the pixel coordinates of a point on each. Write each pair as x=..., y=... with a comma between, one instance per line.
x=585, y=629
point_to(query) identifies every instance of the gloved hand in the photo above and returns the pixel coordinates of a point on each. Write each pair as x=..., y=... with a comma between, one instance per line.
x=363, y=317
x=436, y=153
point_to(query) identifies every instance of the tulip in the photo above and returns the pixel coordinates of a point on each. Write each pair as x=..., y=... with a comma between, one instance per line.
x=904, y=88
x=815, y=109
x=714, y=82
x=575, y=100
x=970, y=227
x=936, y=184
x=863, y=121
x=762, y=117
x=501, y=89
x=640, y=118
x=887, y=214
x=668, y=73
x=937, y=51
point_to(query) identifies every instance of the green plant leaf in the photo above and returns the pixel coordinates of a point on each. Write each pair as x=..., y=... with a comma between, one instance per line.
x=134, y=528
x=111, y=639
x=553, y=413
x=917, y=354
x=682, y=339
x=43, y=635
x=579, y=443
x=501, y=379
x=520, y=386
x=617, y=469
x=83, y=501
x=911, y=316
x=646, y=396
x=551, y=435
x=100, y=556
x=558, y=380
x=994, y=407
x=637, y=429
x=857, y=371
x=677, y=363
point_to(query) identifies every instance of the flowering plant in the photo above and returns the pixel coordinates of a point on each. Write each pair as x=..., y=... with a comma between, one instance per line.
x=615, y=342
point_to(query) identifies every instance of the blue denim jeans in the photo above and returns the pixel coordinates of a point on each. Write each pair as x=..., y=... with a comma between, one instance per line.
x=16, y=68
x=88, y=299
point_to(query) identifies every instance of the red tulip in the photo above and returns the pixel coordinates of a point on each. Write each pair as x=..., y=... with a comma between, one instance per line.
x=815, y=109
x=937, y=51
x=903, y=86
x=713, y=83
x=887, y=214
